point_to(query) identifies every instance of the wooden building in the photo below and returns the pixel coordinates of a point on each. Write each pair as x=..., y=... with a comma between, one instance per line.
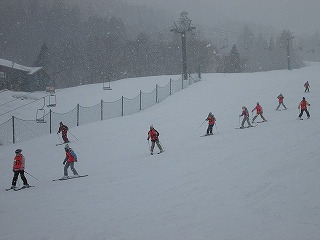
x=17, y=77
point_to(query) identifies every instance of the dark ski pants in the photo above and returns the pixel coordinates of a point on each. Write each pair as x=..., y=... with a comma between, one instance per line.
x=245, y=119
x=254, y=118
x=304, y=110
x=71, y=165
x=16, y=175
x=282, y=105
x=209, y=129
x=65, y=138
x=158, y=144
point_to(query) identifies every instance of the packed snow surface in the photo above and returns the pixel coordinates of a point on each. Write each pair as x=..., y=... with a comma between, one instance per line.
x=260, y=183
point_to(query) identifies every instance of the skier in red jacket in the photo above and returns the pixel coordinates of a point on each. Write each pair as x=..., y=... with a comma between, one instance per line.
x=280, y=99
x=259, y=110
x=18, y=168
x=154, y=135
x=64, y=130
x=69, y=160
x=303, y=106
x=245, y=115
x=211, y=121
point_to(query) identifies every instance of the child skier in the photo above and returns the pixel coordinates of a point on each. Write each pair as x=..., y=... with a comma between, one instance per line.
x=154, y=135
x=64, y=130
x=69, y=160
x=18, y=168
x=280, y=99
x=303, y=106
x=211, y=121
x=245, y=114
x=259, y=110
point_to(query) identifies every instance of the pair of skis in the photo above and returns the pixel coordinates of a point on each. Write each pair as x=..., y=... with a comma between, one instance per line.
x=157, y=153
x=246, y=127
x=206, y=135
x=18, y=189
x=68, y=178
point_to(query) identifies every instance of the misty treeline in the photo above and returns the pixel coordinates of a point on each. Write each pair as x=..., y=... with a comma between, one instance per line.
x=78, y=42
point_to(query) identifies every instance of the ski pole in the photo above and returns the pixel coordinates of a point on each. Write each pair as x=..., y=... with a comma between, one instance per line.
x=31, y=175
x=74, y=136
x=149, y=145
x=161, y=145
x=59, y=138
x=239, y=121
x=217, y=128
x=201, y=124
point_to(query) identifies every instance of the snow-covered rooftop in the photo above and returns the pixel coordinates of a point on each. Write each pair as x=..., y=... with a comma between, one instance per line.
x=29, y=70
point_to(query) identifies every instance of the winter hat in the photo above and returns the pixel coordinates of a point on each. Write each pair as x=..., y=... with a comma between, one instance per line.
x=151, y=126
x=18, y=150
x=66, y=146
x=304, y=98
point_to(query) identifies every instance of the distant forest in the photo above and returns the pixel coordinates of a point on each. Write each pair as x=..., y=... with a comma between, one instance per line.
x=78, y=42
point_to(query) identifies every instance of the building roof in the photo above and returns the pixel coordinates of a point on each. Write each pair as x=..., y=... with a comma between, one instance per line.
x=29, y=70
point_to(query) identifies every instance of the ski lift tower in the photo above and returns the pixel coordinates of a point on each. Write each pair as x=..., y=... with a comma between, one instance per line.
x=182, y=27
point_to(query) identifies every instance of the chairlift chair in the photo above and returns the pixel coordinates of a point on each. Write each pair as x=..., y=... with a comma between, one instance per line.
x=52, y=100
x=40, y=116
x=41, y=113
x=106, y=86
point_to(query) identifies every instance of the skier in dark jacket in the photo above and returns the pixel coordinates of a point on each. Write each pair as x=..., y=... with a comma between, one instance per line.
x=64, y=130
x=307, y=87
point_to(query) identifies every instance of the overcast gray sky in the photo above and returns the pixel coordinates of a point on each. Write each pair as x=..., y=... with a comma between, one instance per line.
x=299, y=16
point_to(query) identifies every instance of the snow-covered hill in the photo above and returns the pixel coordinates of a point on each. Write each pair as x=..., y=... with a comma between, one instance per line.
x=258, y=183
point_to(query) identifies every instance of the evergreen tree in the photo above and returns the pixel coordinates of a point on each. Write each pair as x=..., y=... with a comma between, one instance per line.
x=233, y=63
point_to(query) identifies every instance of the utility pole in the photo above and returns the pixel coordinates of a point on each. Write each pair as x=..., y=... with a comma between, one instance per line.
x=288, y=38
x=182, y=27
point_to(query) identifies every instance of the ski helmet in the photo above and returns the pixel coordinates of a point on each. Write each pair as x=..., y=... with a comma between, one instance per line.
x=66, y=146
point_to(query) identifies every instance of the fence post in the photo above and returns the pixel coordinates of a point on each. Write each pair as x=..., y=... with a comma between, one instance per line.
x=156, y=93
x=170, y=85
x=122, y=106
x=101, y=107
x=50, y=121
x=140, y=100
x=78, y=113
x=182, y=82
x=13, y=131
